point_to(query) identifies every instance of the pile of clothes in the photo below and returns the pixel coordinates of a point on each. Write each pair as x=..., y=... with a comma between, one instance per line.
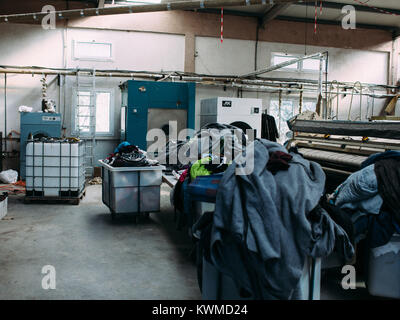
x=128, y=155
x=267, y=222
x=169, y=155
x=370, y=199
x=209, y=153
x=215, y=138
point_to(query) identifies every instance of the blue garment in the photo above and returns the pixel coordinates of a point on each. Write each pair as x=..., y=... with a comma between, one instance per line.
x=379, y=156
x=121, y=145
x=359, y=193
x=378, y=229
x=264, y=225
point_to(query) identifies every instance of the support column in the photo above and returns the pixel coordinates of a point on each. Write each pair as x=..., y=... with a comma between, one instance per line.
x=394, y=62
x=190, y=48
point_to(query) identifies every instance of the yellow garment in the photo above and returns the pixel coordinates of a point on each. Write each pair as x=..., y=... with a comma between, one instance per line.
x=198, y=168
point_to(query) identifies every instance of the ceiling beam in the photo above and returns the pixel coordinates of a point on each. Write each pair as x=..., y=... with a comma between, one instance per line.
x=231, y=12
x=272, y=13
x=337, y=23
x=360, y=8
x=396, y=33
x=111, y=10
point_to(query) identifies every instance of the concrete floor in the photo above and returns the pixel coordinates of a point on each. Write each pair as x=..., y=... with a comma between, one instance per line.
x=94, y=257
x=97, y=258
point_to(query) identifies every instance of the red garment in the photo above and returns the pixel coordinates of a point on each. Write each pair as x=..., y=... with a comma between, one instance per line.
x=278, y=161
x=183, y=175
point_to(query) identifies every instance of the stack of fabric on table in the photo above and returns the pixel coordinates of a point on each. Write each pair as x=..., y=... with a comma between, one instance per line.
x=127, y=155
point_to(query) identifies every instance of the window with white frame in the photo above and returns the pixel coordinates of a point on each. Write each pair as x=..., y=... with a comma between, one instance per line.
x=92, y=50
x=94, y=111
x=278, y=58
x=308, y=65
x=288, y=109
x=281, y=115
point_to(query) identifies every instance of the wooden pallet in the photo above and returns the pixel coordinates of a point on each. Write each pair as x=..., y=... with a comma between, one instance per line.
x=41, y=199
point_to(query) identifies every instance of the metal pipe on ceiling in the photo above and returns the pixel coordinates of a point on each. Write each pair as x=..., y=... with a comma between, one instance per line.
x=165, y=6
x=188, y=76
x=282, y=65
x=254, y=84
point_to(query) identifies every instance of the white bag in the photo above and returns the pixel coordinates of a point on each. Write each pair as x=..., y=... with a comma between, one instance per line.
x=25, y=109
x=9, y=176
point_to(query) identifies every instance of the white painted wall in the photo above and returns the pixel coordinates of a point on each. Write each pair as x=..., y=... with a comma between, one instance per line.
x=236, y=57
x=28, y=45
x=132, y=50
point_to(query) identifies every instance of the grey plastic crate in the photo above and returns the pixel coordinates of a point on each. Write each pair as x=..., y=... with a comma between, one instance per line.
x=217, y=286
x=384, y=270
x=131, y=189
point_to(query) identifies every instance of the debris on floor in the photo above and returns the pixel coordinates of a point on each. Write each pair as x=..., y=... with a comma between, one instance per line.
x=13, y=188
x=94, y=181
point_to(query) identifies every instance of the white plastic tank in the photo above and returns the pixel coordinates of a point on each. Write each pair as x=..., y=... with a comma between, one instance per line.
x=55, y=166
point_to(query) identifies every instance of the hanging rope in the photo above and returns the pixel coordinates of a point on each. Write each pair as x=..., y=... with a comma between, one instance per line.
x=222, y=25
x=279, y=110
x=330, y=99
x=316, y=16
x=352, y=95
x=301, y=100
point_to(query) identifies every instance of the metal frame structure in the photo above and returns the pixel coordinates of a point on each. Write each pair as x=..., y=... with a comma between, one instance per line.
x=164, y=6
x=87, y=82
x=250, y=82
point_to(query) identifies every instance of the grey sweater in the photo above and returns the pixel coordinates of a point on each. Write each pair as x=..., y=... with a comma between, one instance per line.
x=262, y=231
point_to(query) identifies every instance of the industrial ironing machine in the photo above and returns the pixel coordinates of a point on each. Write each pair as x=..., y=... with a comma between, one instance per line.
x=340, y=147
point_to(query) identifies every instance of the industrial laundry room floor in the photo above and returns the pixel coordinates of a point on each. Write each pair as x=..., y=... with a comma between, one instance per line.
x=97, y=258
x=94, y=257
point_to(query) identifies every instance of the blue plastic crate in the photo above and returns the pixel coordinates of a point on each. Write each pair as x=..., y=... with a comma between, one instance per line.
x=204, y=188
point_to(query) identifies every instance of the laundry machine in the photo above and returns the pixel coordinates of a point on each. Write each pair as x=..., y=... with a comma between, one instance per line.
x=244, y=113
x=147, y=105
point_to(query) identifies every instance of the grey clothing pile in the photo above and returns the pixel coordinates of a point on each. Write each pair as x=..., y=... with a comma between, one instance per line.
x=266, y=225
x=359, y=193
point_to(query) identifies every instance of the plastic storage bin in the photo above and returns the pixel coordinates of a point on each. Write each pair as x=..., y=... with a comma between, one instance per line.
x=131, y=189
x=217, y=286
x=54, y=167
x=384, y=269
x=204, y=188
